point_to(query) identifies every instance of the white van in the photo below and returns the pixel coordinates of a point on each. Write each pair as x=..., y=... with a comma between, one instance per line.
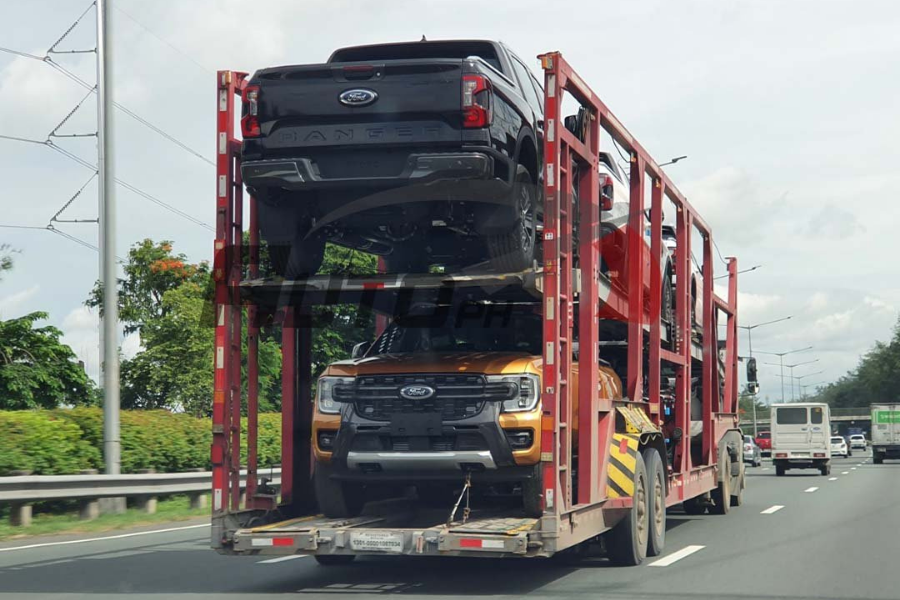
x=801, y=436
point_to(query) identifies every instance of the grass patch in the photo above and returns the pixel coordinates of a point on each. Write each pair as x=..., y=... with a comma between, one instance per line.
x=173, y=508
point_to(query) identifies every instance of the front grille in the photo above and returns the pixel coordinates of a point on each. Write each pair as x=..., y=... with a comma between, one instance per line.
x=456, y=396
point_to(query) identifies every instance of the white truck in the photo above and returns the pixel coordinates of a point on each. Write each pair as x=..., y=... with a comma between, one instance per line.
x=801, y=436
x=885, y=432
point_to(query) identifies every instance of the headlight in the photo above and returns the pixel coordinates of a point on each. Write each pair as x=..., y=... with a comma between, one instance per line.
x=324, y=394
x=529, y=393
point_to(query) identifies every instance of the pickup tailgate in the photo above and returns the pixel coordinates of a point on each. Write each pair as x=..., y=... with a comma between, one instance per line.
x=402, y=105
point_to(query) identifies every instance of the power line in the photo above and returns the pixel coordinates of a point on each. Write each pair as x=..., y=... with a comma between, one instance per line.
x=131, y=113
x=72, y=199
x=71, y=112
x=23, y=54
x=166, y=42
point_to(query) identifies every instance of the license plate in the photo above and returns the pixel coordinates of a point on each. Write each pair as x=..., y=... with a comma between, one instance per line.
x=376, y=541
x=800, y=455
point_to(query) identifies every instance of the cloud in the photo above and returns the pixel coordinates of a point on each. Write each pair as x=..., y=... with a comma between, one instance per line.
x=834, y=223
x=731, y=201
x=81, y=332
x=14, y=305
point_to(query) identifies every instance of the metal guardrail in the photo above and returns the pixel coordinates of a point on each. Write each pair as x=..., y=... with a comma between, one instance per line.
x=33, y=488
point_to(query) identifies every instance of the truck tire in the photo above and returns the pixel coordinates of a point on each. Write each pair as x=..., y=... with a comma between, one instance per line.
x=656, y=500
x=300, y=259
x=514, y=250
x=627, y=541
x=721, y=496
x=334, y=560
x=825, y=470
x=336, y=499
x=780, y=470
x=877, y=460
x=532, y=490
x=737, y=499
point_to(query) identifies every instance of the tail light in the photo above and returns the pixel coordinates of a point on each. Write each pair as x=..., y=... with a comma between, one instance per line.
x=606, y=192
x=477, y=93
x=781, y=455
x=250, y=111
x=818, y=455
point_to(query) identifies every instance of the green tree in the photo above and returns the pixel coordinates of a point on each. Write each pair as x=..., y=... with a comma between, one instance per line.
x=36, y=369
x=6, y=261
x=875, y=379
x=152, y=269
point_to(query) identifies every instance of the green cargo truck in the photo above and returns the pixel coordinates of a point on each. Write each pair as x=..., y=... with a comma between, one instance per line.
x=885, y=432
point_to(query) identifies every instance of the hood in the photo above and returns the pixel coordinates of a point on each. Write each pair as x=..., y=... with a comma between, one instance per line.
x=491, y=363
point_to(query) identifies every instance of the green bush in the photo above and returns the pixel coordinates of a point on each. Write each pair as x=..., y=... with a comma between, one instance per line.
x=68, y=440
x=43, y=443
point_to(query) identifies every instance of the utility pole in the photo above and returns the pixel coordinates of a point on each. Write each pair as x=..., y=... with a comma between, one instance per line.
x=781, y=356
x=750, y=329
x=108, y=278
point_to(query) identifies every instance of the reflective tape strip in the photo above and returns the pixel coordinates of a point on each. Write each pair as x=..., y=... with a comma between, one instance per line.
x=551, y=130
x=223, y=143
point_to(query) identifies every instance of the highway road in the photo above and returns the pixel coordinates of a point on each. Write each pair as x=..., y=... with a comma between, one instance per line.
x=802, y=536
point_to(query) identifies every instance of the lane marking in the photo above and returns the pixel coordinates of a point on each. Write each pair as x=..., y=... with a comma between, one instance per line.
x=772, y=509
x=845, y=473
x=810, y=490
x=102, y=539
x=272, y=561
x=676, y=556
x=832, y=479
x=765, y=468
x=852, y=468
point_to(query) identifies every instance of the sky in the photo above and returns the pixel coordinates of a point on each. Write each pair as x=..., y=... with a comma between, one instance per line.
x=787, y=112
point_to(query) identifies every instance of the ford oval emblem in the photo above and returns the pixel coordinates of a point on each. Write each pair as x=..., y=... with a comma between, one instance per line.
x=358, y=97
x=416, y=392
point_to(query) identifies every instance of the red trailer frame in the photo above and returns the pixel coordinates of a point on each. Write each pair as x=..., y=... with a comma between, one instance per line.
x=591, y=510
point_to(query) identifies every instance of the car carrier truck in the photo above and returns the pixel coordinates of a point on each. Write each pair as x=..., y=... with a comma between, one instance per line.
x=621, y=416
x=885, y=432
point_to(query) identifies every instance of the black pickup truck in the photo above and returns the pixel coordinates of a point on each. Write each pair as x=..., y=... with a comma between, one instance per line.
x=423, y=153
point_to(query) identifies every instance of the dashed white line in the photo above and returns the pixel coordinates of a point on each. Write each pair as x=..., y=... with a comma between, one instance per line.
x=810, y=490
x=832, y=479
x=102, y=539
x=852, y=468
x=765, y=468
x=272, y=561
x=772, y=509
x=676, y=556
x=845, y=473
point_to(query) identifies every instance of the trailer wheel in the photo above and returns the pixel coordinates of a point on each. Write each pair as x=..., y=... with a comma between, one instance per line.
x=334, y=560
x=722, y=494
x=656, y=540
x=738, y=498
x=336, y=499
x=627, y=541
x=301, y=259
x=514, y=250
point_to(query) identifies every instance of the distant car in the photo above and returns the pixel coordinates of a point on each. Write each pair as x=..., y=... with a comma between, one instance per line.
x=752, y=453
x=858, y=441
x=839, y=446
x=764, y=441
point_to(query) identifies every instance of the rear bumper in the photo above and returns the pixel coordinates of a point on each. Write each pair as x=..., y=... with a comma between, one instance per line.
x=302, y=173
x=892, y=451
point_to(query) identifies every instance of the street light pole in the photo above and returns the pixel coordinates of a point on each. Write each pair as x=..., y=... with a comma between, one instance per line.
x=108, y=276
x=781, y=356
x=750, y=329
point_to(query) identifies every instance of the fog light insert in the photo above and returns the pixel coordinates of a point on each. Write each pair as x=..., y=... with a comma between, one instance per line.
x=326, y=439
x=520, y=439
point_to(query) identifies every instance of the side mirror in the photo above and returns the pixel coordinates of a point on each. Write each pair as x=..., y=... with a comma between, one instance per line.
x=753, y=388
x=606, y=197
x=751, y=370
x=359, y=350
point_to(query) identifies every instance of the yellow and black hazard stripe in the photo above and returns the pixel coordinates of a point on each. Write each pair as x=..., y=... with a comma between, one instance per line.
x=623, y=451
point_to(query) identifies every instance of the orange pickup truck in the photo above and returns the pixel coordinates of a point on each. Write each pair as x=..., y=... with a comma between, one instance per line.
x=431, y=401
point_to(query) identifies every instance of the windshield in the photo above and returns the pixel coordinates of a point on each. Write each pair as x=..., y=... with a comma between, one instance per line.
x=420, y=50
x=518, y=333
x=837, y=440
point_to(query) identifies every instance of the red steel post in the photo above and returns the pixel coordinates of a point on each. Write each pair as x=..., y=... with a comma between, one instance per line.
x=684, y=332
x=635, y=280
x=709, y=369
x=656, y=281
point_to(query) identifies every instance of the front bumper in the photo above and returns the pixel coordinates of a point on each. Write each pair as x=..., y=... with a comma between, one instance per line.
x=303, y=173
